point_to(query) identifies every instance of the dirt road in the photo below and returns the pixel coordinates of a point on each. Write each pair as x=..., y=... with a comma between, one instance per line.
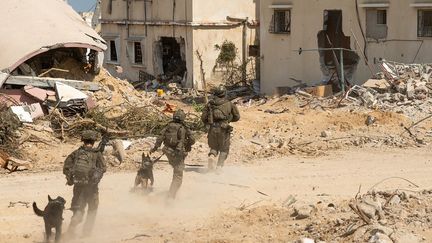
x=205, y=196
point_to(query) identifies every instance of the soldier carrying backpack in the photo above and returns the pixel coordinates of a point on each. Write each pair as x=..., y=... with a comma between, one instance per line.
x=84, y=169
x=178, y=141
x=217, y=115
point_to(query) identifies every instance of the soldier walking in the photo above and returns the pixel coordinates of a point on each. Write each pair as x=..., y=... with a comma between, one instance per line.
x=84, y=169
x=177, y=140
x=217, y=115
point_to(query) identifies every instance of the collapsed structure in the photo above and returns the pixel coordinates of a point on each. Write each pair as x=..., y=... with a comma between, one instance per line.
x=46, y=44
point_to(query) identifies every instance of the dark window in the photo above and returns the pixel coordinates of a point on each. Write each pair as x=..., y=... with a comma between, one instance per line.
x=424, y=28
x=281, y=22
x=381, y=16
x=138, y=53
x=113, y=51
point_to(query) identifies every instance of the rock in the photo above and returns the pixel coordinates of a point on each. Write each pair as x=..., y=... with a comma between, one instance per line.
x=302, y=212
x=395, y=200
x=370, y=120
x=380, y=238
x=325, y=134
x=306, y=240
x=410, y=89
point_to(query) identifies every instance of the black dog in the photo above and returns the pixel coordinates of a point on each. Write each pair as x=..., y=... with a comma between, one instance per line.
x=53, y=216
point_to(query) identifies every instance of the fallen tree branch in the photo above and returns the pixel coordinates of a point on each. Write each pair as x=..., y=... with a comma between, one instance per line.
x=393, y=177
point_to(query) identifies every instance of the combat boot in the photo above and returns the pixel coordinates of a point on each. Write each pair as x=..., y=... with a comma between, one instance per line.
x=211, y=162
x=221, y=160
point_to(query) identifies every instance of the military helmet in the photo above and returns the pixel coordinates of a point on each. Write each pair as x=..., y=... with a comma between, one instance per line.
x=219, y=91
x=89, y=135
x=179, y=115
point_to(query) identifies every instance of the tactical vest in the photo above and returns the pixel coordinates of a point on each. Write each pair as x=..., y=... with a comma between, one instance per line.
x=85, y=164
x=172, y=136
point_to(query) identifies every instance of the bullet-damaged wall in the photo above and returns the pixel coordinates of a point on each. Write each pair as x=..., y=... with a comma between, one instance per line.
x=280, y=62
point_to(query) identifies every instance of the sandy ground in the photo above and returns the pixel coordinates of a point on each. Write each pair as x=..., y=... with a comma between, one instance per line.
x=206, y=197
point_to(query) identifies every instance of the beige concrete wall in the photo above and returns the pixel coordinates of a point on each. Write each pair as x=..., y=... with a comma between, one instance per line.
x=190, y=12
x=205, y=40
x=279, y=63
x=206, y=11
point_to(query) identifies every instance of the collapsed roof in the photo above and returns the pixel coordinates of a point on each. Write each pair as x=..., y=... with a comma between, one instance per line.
x=31, y=27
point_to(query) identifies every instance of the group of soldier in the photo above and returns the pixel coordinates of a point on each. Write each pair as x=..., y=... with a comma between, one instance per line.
x=84, y=168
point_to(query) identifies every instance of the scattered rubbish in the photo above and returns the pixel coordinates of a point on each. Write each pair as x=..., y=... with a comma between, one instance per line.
x=13, y=204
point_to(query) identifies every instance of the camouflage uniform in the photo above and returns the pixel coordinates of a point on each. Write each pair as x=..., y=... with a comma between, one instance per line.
x=85, y=190
x=177, y=139
x=218, y=114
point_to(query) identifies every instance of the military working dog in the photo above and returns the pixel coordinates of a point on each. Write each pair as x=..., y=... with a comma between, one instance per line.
x=145, y=173
x=53, y=216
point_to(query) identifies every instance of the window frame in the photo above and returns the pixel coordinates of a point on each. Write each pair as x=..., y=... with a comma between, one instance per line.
x=109, y=39
x=385, y=16
x=273, y=28
x=420, y=23
x=373, y=25
x=130, y=51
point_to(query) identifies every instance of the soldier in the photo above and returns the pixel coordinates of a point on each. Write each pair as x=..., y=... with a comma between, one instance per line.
x=217, y=115
x=84, y=169
x=178, y=141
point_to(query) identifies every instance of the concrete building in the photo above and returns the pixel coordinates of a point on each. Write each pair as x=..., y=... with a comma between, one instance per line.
x=397, y=30
x=151, y=36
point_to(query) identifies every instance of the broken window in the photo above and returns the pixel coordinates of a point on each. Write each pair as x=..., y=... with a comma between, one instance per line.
x=376, y=23
x=112, y=51
x=281, y=22
x=138, y=59
x=424, y=28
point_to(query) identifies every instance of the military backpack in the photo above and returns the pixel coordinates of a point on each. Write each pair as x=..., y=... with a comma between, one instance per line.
x=84, y=166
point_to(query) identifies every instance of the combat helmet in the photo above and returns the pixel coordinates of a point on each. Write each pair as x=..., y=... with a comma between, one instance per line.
x=179, y=115
x=220, y=91
x=89, y=135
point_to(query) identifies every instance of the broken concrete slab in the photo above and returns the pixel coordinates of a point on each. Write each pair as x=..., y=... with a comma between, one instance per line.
x=380, y=84
x=50, y=82
x=320, y=91
x=66, y=93
x=40, y=94
x=3, y=78
x=23, y=115
x=16, y=96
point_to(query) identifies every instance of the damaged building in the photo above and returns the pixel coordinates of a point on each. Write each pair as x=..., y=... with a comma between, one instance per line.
x=309, y=42
x=160, y=38
x=47, y=52
x=44, y=35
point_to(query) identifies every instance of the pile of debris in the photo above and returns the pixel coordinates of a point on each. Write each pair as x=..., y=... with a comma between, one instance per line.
x=397, y=85
x=9, y=124
x=379, y=216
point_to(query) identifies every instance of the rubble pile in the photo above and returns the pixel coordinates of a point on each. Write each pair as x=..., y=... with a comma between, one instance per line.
x=9, y=124
x=399, y=85
x=116, y=93
x=377, y=216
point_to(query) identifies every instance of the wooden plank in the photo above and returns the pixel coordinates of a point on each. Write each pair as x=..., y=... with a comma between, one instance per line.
x=50, y=82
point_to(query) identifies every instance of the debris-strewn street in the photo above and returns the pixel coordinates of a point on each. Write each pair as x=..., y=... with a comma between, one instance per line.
x=248, y=202
x=215, y=121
